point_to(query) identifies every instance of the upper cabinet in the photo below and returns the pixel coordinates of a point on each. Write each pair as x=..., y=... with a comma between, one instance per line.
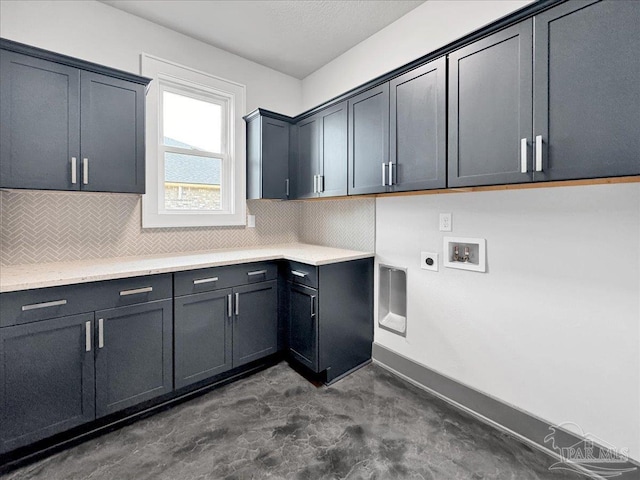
x=369, y=141
x=320, y=167
x=267, y=155
x=560, y=102
x=587, y=90
x=490, y=109
x=418, y=132
x=68, y=124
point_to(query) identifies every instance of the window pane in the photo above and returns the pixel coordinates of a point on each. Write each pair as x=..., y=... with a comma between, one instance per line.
x=191, y=123
x=191, y=182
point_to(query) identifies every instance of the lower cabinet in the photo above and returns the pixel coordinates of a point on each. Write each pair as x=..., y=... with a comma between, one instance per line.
x=202, y=336
x=303, y=325
x=47, y=372
x=330, y=315
x=134, y=355
x=222, y=329
x=255, y=322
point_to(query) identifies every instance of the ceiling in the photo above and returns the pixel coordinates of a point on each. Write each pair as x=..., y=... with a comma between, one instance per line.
x=295, y=37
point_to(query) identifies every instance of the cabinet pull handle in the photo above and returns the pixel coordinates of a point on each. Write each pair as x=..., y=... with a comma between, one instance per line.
x=298, y=274
x=74, y=170
x=237, y=303
x=315, y=184
x=390, y=173
x=100, y=332
x=135, y=291
x=539, y=153
x=286, y=187
x=384, y=177
x=85, y=171
x=320, y=183
x=204, y=280
x=523, y=155
x=313, y=306
x=36, y=306
x=257, y=272
x=229, y=302
x=87, y=336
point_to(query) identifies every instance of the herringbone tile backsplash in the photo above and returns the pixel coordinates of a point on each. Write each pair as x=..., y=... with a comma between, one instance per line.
x=38, y=227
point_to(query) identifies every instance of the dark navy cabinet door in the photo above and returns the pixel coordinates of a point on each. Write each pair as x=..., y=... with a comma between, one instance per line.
x=267, y=158
x=308, y=154
x=39, y=123
x=369, y=141
x=418, y=139
x=303, y=325
x=134, y=361
x=46, y=379
x=587, y=90
x=202, y=333
x=490, y=109
x=333, y=151
x=255, y=325
x=112, y=134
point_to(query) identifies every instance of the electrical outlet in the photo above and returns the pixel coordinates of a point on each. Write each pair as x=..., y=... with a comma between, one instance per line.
x=429, y=261
x=445, y=222
x=251, y=221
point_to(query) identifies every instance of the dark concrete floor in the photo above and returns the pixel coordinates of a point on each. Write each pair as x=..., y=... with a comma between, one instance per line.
x=276, y=425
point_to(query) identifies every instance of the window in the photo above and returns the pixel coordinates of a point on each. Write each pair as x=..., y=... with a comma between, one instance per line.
x=195, y=148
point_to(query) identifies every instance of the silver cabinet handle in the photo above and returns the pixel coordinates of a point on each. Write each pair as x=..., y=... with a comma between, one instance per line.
x=85, y=171
x=298, y=274
x=229, y=302
x=203, y=280
x=286, y=187
x=320, y=183
x=539, y=153
x=390, y=173
x=237, y=303
x=384, y=177
x=100, y=332
x=135, y=291
x=523, y=155
x=313, y=306
x=36, y=306
x=87, y=336
x=315, y=184
x=257, y=272
x=74, y=170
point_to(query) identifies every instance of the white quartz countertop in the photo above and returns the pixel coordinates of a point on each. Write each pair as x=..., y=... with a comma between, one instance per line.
x=25, y=277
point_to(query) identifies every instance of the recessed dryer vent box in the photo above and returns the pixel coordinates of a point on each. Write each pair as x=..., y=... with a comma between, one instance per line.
x=465, y=253
x=392, y=299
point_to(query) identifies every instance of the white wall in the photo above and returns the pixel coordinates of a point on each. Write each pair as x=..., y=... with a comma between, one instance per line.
x=99, y=33
x=425, y=29
x=553, y=326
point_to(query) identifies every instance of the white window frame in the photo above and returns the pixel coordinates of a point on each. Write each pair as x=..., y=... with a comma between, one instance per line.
x=184, y=80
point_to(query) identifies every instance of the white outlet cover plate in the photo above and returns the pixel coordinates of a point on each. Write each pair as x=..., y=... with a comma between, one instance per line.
x=423, y=261
x=445, y=222
x=251, y=221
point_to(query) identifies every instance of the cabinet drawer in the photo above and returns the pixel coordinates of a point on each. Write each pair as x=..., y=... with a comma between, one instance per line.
x=34, y=305
x=207, y=279
x=302, y=274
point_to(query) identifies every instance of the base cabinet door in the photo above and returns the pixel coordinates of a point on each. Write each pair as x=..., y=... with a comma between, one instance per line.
x=46, y=379
x=255, y=322
x=202, y=332
x=303, y=325
x=586, y=90
x=490, y=109
x=134, y=356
